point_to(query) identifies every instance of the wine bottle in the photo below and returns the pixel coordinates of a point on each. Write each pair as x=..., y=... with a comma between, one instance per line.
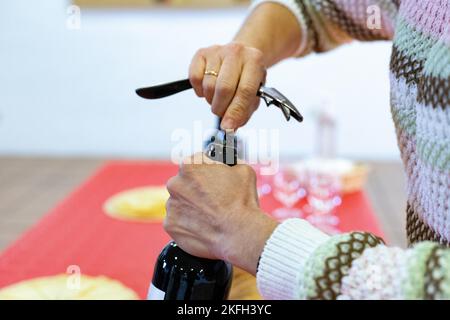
x=181, y=276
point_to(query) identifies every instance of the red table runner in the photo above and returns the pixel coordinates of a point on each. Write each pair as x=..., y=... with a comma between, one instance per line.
x=77, y=232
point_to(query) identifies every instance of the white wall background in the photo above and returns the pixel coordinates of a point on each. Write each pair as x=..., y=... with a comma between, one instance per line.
x=66, y=92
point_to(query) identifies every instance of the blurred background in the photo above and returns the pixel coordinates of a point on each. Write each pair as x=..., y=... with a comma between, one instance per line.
x=67, y=84
x=71, y=91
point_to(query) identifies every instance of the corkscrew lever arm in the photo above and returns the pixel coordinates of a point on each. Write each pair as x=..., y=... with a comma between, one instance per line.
x=271, y=96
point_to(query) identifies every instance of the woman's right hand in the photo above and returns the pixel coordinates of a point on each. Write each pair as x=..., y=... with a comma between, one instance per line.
x=233, y=93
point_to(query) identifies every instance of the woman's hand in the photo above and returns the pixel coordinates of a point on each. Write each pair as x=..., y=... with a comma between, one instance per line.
x=270, y=34
x=232, y=94
x=213, y=212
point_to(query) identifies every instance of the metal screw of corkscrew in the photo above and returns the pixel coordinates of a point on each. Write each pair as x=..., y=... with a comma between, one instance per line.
x=223, y=147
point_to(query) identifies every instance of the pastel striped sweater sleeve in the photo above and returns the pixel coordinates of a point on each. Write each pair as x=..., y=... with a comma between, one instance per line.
x=326, y=24
x=301, y=262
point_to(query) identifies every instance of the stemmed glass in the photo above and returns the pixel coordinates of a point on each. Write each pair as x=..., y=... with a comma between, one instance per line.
x=263, y=182
x=289, y=190
x=324, y=195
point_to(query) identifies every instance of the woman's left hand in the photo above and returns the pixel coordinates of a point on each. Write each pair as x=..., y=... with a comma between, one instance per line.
x=213, y=212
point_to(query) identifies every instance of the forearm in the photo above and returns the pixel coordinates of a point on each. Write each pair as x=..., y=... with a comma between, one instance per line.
x=273, y=29
x=284, y=28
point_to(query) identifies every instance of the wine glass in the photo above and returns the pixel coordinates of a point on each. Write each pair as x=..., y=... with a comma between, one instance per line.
x=324, y=195
x=263, y=182
x=288, y=189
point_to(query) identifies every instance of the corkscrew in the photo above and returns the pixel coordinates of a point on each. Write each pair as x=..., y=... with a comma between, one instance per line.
x=271, y=96
x=223, y=147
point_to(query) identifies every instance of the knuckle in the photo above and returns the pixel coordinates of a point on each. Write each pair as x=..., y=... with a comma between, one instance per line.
x=170, y=220
x=217, y=110
x=195, y=79
x=248, y=171
x=171, y=185
x=167, y=225
x=211, y=50
x=176, y=187
x=201, y=52
x=235, y=48
x=256, y=54
x=215, y=47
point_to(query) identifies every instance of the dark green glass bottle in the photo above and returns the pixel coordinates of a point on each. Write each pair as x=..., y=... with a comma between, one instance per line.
x=181, y=276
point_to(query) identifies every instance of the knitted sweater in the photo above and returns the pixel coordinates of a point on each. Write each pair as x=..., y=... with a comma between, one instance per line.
x=299, y=261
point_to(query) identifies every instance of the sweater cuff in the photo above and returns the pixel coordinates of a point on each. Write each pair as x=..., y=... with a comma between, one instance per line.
x=283, y=258
x=295, y=9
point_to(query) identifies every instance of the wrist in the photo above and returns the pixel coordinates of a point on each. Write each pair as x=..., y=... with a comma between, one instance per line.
x=273, y=29
x=244, y=245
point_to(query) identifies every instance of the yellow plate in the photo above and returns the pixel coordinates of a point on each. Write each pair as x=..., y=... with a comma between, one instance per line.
x=146, y=204
x=66, y=287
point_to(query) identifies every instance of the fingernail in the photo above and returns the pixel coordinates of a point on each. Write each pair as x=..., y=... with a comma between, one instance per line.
x=227, y=124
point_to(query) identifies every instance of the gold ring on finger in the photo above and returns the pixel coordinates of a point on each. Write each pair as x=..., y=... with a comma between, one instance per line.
x=211, y=73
